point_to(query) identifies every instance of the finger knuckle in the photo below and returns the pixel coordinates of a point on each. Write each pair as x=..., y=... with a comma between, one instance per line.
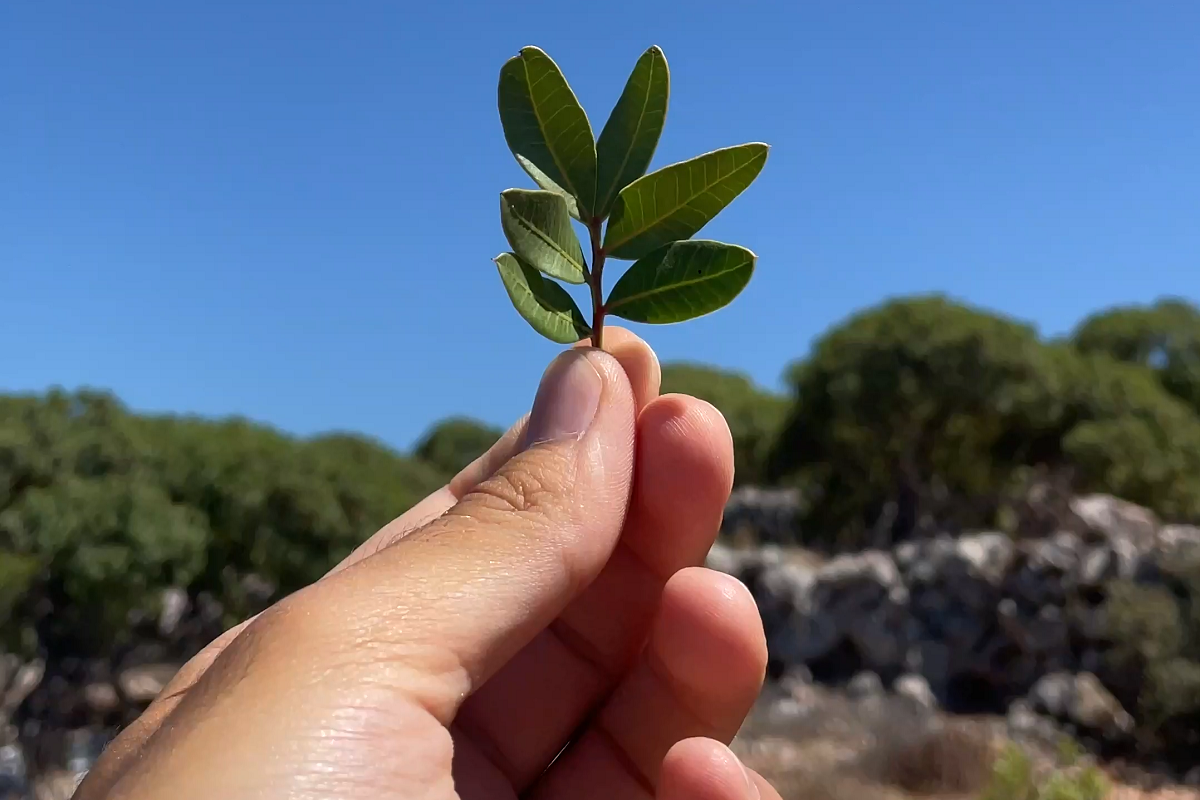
x=532, y=491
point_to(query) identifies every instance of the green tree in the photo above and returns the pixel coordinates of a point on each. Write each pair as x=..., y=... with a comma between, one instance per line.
x=914, y=408
x=101, y=509
x=924, y=413
x=452, y=444
x=1163, y=336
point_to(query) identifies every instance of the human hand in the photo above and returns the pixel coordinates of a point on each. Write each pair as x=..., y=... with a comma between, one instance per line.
x=548, y=597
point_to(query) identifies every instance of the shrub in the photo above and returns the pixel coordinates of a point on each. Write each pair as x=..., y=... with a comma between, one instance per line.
x=1015, y=777
x=101, y=509
x=925, y=414
x=453, y=443
x=1164, y=337
x=922, y=758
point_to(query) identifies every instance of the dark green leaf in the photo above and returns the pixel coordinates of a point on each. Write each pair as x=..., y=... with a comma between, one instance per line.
x=630, y=136
x=538, y=227
x=546, y=127
x=675, y=202
x=681, y=281
x=544, y=304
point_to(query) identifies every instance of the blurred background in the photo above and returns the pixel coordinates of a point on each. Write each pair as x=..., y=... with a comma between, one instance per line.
x=246, y=284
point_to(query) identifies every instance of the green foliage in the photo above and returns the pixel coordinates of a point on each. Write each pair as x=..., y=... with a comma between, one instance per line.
x=753, y=414
x=101, y=509
x=544, y=304
x=650, y=216
x=677, y=201
x=1014, y=777
x=924, y=409
x=1164, y=337
x=454, y=443
x=547, y=130
x=1155, y=634
x=630, y=136
x=922, y=399
x=539, y=229
x=683, y=280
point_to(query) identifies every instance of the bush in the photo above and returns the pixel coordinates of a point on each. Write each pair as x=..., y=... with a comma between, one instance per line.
x=1155, y=659
x=1015, y=777
x=101, y=509
x=453, y=443
x=924, y=758
x=913, y=411
x=1164, y=337
x=925, y=414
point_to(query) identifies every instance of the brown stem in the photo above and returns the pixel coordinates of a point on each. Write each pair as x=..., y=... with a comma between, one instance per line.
x=597, y=273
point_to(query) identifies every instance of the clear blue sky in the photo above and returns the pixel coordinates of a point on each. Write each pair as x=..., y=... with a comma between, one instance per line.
x=287, y=210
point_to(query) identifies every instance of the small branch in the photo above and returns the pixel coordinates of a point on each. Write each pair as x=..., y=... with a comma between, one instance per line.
x=597, y=273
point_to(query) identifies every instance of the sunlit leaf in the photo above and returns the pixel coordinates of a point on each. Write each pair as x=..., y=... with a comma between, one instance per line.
x=681, y=281
x=546, y=127
x=675, y=202
x=538, y=227
x=544, y=304
x=631, y=134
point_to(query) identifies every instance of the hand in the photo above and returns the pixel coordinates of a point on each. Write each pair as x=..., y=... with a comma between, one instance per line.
x=549, y=596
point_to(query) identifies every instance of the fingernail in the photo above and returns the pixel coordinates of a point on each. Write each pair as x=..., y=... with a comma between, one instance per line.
x=566, y=400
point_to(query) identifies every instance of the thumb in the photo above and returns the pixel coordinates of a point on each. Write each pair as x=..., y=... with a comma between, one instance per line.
x=442, y=609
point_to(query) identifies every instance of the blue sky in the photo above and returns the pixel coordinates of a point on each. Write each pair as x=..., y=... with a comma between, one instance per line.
x=287, y=210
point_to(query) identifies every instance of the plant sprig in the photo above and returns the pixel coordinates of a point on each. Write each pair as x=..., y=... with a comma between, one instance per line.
x=651, y=218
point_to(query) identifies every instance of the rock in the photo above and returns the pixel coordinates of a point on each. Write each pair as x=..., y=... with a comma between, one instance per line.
x=1083, y=701
x=989, y=556
x=174, y=605
x=1094, y=708
x=1176, y=541
x=56, y=785
x=143, y=683
x=1052, y=694
x=770, y=513
x=1096, y=567
x=13, y=771
x=723, y=559
x=916, y=689
x=1021, y=718
x=101, y=698
x=1024, y=723
x=27, y=678
x=864, y=685
x=796, y=678
x=9, y=664
x=1117, y=520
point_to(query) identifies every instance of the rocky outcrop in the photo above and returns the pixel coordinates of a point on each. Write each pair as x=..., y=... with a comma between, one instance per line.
x=59, y=709
x=971, y=623
x=981, y=621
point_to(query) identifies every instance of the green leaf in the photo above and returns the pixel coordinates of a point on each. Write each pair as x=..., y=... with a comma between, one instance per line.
x=538, y=226
x=546, y=127
x=544, y=304
x=630, y=136
x=675, y=202
x=680, y=281
x=543, y=180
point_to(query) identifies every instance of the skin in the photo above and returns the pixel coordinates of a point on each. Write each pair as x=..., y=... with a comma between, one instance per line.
x=550, y=596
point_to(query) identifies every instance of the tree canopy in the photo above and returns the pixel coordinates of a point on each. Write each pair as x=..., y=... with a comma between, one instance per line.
x=923, y=411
